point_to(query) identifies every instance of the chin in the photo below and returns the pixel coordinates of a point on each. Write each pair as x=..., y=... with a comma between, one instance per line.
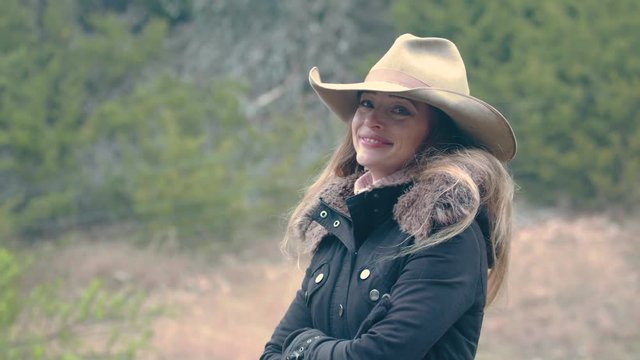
x=367, y=162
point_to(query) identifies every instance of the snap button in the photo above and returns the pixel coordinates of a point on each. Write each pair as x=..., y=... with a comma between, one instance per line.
x=386, y=296
x=374, y=295
x=336, y=223
x=319, y=278
x=364, y=274
x=323, y=214
x=340, y=310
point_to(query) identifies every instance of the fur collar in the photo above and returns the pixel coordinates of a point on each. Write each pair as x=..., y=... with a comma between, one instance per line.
x=432, y=202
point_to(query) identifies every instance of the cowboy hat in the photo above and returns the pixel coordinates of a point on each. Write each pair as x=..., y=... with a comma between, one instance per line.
x=428, y=70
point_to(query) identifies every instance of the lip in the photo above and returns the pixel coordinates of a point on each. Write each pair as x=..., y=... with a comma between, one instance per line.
x=374, y=141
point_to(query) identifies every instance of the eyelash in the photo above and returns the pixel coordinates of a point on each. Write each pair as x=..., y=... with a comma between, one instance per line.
x=403, y=111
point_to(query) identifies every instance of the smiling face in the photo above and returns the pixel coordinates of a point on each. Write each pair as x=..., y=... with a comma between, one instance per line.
x=387, y=131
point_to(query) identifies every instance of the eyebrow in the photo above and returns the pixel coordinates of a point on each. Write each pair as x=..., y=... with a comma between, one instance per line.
x=391, y=95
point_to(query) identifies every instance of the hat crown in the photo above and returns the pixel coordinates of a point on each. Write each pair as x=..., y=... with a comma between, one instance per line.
x=432, y=62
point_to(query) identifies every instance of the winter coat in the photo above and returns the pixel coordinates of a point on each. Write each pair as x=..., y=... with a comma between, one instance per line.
x=358, y=300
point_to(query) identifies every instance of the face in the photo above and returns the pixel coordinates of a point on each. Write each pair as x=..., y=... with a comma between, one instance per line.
x=387, y=131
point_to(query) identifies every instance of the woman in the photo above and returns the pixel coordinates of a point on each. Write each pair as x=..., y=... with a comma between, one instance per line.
x=409, y=224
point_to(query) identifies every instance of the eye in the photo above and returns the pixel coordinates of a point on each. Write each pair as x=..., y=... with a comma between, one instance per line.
x=366, y=103
x=401, y=110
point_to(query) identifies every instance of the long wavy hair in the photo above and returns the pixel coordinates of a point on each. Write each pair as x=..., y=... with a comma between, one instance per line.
x=446, y=153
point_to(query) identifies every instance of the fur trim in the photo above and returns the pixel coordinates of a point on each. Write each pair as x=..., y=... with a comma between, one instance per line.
x=437, y=202
x=433, y=202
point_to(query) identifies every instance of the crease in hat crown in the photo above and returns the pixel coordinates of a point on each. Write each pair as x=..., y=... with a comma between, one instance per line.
x=429, y=70
x=434, y=62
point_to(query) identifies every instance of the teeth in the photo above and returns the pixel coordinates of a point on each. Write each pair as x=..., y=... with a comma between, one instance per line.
x=371, y=141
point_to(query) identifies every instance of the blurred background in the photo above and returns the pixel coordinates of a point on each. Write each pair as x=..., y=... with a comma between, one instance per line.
x=150, y=150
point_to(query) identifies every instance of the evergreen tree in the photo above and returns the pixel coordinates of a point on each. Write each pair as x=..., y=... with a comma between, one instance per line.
x=52, y=73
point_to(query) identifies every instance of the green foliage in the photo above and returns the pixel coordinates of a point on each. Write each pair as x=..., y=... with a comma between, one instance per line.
x=175, y=144
x=174, y=11
x=567, y=75
x=85, y=139
x=51, y=75
x=50, y=323
x=184, y=157
x=9, y=300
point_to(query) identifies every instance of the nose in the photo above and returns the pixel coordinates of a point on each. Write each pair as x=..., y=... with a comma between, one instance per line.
x=374, y=119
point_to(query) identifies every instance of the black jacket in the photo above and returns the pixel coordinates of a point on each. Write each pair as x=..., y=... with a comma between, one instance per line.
x=368, y=304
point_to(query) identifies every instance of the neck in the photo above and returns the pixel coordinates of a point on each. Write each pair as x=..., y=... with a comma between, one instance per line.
x=368, y=181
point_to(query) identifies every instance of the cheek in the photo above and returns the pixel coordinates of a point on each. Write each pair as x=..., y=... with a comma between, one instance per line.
x=356, y=121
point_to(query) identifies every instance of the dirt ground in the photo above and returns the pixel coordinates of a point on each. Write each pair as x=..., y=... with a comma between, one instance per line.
x=572, y=294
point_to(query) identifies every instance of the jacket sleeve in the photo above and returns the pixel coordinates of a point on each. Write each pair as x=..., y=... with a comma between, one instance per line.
x=296, y=317
x=435, y=288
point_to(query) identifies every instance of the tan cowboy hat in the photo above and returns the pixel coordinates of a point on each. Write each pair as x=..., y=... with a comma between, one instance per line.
x=429, y=70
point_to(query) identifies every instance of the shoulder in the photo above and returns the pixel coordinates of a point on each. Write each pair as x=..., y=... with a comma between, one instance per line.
x=455, y=268
x=463, y=253
x=468, y=242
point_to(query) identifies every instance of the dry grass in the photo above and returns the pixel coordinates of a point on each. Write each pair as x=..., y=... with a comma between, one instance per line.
x=573, y=294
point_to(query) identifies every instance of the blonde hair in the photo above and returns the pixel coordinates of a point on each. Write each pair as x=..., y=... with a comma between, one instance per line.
x=485, y=183
x=482, y=177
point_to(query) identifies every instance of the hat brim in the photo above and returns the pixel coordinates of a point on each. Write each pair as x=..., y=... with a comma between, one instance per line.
x=474, y=117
